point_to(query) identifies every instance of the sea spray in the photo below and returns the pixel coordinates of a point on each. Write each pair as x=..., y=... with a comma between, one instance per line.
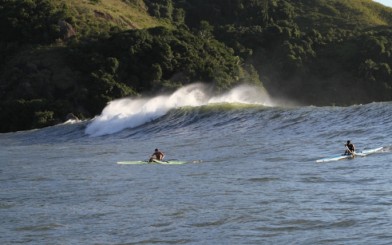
x=244, y=94
x=129, y=113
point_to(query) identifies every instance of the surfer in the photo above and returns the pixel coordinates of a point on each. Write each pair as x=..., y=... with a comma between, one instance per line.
x=157, y=155
x=350, y=148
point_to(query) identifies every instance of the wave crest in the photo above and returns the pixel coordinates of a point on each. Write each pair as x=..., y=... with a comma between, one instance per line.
x=129, y=113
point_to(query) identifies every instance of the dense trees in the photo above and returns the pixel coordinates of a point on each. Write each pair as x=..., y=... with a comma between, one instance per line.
x=30, y=21
x=72, y=56
x=310, y=51
x=157, y=59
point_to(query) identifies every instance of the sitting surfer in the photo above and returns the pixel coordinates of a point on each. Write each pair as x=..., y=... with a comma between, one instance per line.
x=157, y=155
x=350, y=148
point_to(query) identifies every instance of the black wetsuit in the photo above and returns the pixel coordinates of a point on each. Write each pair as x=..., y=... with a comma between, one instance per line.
x=351, y=148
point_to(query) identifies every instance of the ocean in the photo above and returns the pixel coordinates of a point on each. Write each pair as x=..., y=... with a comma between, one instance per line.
x=250, y=175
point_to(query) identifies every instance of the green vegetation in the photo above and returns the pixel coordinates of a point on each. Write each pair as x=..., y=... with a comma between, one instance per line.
x=75, y=56
x=154, y=60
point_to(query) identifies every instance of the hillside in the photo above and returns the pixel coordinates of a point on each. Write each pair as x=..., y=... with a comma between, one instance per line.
x=345, y=14
x=319, y=14
x=100, y=16
x=74, y=56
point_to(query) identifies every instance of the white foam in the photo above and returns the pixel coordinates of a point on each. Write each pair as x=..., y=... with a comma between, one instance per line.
x=130, y=113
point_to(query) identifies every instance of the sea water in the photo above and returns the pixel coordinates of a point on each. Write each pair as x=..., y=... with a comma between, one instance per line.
x=251, y=176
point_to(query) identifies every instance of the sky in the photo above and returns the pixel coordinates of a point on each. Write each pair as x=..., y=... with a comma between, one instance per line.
x=385, y=2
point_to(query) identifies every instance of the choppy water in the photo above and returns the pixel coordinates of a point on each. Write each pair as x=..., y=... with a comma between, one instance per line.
x=251, y=177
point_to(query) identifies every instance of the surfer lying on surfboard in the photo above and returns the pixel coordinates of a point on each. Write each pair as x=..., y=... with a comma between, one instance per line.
x=157, y=155
x=350, y=148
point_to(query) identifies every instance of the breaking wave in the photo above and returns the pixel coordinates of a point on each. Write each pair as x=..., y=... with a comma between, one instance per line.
x=129, y=113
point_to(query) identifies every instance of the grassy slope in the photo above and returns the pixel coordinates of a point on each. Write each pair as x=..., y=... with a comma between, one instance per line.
x=346, y=14
x=110, y=13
